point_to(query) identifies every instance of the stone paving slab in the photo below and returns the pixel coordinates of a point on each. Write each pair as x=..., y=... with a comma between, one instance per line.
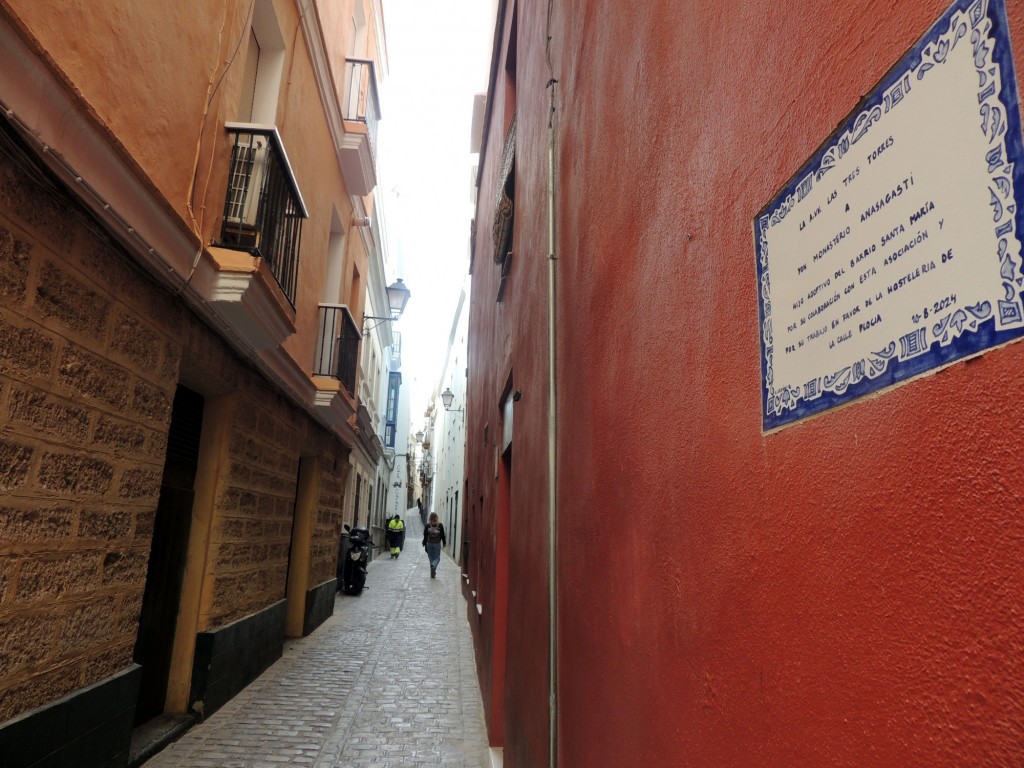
x=388, y=680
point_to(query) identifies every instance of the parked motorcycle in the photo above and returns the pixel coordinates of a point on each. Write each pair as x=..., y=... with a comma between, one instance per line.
x=357, y=557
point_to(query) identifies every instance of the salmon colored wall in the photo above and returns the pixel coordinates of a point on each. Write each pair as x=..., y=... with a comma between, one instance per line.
x=847, y=591
x=184, y=47
x=336, y=20
x=105, y=50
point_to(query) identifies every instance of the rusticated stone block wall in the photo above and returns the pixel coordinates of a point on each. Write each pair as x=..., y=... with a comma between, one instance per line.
x=327, y=526
x=88, y=366
x=256, y=504
x=255, y=508
x=90, y=354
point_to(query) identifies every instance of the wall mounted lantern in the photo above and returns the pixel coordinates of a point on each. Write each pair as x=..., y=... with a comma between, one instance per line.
x=398, y=297
x=447, y=397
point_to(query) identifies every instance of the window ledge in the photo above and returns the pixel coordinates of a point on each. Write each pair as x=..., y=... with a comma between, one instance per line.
x=332, y=402
x=357, y=166
x=243, y=293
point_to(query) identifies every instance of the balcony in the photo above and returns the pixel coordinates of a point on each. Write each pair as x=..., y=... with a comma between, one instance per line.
x=360, y=113
x=337, y=354
x=263, y=209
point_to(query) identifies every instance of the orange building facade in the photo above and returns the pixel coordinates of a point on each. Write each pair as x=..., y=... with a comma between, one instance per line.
x=752, y=568
x=185, y=244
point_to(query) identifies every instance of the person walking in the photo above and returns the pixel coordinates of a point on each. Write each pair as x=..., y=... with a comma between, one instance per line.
x=396, y=535
x=433, y=540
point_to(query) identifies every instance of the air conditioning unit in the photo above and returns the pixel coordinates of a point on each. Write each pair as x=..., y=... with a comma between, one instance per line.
x=245, y=188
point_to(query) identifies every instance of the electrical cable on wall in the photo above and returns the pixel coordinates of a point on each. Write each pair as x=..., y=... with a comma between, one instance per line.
x=211, y=91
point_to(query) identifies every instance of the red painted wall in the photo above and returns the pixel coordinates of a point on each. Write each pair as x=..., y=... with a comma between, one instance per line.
x=848, y=591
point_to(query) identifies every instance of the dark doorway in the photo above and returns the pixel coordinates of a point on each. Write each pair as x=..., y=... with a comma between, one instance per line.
x=155, y=640
x=499, y=642
x=455, y=526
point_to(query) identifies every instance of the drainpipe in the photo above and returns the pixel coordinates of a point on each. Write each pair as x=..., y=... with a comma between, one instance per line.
x=552, y=431
x=552, y=466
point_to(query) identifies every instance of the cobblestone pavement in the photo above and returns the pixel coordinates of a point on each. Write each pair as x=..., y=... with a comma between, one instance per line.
x=388, y=680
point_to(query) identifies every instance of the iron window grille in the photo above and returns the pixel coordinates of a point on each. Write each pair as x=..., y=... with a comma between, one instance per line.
x=337, y=353
x=263, y=209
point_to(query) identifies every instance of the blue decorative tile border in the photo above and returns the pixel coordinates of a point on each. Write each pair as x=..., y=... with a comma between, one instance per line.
x=951, y=332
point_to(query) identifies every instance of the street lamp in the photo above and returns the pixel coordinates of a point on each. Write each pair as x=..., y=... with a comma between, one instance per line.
x=447, y=397
x=398, y=297
x=419, y=436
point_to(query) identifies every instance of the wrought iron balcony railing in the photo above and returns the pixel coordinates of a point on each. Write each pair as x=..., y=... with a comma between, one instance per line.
x=337, y=351
x=361, y=103
x=263, y=210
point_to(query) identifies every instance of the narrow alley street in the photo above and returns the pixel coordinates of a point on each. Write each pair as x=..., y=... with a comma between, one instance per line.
x=389, y=680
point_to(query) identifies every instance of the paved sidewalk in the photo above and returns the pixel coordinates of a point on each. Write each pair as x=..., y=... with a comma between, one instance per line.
x=388, y=680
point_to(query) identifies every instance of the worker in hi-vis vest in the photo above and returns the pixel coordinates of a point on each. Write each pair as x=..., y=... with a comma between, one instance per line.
x=396, y=535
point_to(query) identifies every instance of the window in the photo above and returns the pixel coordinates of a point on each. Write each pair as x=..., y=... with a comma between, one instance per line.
x=394, y=381
x=335, y=261
x=391, y=414
x=263, y=209
x=504, y=218
x=252, y=68
x=264, y=66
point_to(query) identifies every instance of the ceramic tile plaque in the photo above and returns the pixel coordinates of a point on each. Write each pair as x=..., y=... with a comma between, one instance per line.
x=895, y=250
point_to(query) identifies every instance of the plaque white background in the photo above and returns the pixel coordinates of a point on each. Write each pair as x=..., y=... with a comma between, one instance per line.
x=901, y=233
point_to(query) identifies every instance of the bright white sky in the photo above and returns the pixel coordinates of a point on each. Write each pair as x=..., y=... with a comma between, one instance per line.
x=439, y=55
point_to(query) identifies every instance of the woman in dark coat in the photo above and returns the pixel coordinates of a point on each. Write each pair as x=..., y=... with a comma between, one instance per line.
x=433, y=540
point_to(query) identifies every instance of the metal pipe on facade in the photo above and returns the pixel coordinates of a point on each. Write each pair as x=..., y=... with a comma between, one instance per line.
x=552, y=441
x=552, y=465
x=552, y=425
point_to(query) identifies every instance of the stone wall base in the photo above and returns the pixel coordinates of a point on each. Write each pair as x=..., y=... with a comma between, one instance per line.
x=90, y=728
x=228, y=659
x=319, y=605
